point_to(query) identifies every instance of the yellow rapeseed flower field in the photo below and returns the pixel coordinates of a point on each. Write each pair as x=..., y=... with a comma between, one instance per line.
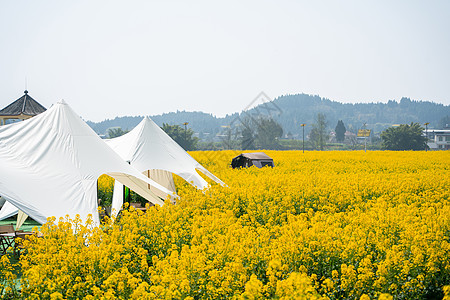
x=320, y=225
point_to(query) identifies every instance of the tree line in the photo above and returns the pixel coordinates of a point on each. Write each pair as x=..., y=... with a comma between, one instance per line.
x=266, y=133
x=302, y=108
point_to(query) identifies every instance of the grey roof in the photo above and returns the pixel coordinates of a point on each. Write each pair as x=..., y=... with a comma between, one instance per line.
x=256, y=155
x=24, y=105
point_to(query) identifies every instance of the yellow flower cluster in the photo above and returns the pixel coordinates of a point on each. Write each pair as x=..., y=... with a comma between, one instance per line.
x=105, y=186
x=320, y=225
x=7, y=278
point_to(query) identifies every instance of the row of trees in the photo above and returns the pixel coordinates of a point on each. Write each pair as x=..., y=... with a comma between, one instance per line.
x=403, y=137
x=265, y=133
x=305, y=108
x=260, y=133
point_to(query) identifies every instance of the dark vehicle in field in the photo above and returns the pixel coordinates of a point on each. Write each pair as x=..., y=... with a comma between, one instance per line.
x=257, y=159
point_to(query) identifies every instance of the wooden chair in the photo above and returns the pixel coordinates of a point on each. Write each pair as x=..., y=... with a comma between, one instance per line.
x=7, y=235
x=7, y=228
x=138, y=206
x=11, y=238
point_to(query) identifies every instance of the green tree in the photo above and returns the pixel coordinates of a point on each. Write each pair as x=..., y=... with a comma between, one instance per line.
x=247, y=135
x=268, y=134
x=318, y=135
x=116, y=132
x=247, y=140
x=404, y=137
x=229, y=137
x=260, y=133
x=184, y=137
x=340, y=131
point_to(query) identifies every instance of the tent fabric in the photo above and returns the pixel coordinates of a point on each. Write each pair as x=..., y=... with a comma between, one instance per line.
x=148, y=147
x=117, y=199
x=21, y=217
x=49, y=166
x=8, y=210
x=162, y=177
x=151, y=151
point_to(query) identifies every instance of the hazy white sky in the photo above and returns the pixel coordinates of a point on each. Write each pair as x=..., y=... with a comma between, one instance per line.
x=109, y=58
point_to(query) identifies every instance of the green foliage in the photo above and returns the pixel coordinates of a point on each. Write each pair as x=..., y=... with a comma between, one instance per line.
x=228, y=138
x=105, y=196
x=247, y=140
x=268, y=131
x=260, y=133
x=340, y=131
x=318, y=135
x=302, y=108
x=183, y=136
x=247, y=135
x=116, y=132
x=404, y=137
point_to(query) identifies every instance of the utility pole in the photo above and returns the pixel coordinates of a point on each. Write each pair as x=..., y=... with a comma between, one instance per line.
x=426, y=136
x=365, y=138
x=303, y=126
x=185, y=134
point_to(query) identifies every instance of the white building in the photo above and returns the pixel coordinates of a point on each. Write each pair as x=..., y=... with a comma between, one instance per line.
x=438, y=139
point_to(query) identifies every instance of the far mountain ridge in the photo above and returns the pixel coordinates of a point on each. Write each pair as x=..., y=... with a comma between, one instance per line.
x=293, y=110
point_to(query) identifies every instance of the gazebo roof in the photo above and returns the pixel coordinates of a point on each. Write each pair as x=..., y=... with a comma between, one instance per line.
x=25, y=105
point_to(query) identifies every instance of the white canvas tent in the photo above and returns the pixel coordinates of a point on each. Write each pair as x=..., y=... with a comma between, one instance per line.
x=49, y=166
x=9, y=210
x=151, y=151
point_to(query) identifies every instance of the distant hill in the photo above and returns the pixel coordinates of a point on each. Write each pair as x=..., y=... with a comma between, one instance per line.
x=301, y=108
x=199, y=122
x=293, y=110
